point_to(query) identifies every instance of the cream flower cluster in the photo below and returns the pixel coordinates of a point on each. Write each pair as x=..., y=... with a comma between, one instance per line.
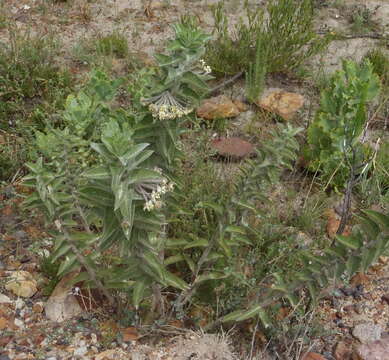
x=168, y=112
x=206, y=68
x=154, y=198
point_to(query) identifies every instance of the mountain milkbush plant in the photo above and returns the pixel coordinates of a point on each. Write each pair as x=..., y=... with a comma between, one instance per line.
x=334, y=137
x=94, y=172
x=103, y=185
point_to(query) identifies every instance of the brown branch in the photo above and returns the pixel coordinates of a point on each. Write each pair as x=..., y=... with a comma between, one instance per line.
x=225, y=83
x=354, y=36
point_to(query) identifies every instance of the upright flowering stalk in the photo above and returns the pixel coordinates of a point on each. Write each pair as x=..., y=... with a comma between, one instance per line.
x=165, y=95
x=182, y=76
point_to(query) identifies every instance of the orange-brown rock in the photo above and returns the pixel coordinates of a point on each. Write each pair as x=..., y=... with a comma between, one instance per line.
x=342, y=351
x=359, y=279
x=130, y=334
x=217, y=108
x=282, y=103
x=333, y=225
x=3, y=323
x=313, y=356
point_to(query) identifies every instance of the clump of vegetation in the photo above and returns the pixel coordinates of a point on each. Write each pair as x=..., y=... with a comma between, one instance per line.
x=380, y=63
x=334, y=135
x=114, y=44
x=256, y=73
x=33, y=85
x=361, y=19
x=286, y=36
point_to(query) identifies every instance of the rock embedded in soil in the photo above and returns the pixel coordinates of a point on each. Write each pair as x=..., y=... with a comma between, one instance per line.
x=5, y=299
x=367, y=332
x=377, y=350
x=62, y=305
x=313, y=356
x=283, y=103
x=3, y=323
x=217, y=108
x=233, y=147
x=342, y=351
x=22, y=284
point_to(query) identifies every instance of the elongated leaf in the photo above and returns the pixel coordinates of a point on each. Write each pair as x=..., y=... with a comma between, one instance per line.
x=131, y=154
x=102, y=150
x=190, y=262
x=62, y=250
x=197, y=243
x=165, y=60
x=154, y=264
x=353, y=264
x=236, y=239
x=98, y=173
x=242, y=315
x=348, y=241
x=193, y=80
x=175, y=281
x=236, y=229
x=144, y=156
x=138, y=293
x=143, y=175
x=67, y=265
x=175, y=243
x=174, y=259
x=379, y=218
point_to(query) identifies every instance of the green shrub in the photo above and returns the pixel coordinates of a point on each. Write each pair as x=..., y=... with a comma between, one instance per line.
x=97, y=171
x=287, y=36
x=340, y=121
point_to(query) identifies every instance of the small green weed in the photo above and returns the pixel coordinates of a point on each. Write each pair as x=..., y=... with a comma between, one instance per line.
x=49, y=269
x=114, y=44
x=380, y=63
x=361, y=19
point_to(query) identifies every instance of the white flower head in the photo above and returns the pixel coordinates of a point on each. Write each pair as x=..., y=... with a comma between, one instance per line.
x=153, y=199
x=206, y=68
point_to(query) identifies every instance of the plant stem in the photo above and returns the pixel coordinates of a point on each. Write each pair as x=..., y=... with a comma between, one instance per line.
x=81, y=258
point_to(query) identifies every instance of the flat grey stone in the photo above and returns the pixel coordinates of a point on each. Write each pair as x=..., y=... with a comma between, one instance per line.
x=367, y=332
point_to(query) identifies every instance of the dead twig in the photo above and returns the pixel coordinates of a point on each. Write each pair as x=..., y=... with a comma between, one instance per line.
x=225, y=83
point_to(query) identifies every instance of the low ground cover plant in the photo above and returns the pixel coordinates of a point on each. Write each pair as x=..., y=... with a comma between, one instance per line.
x=32, y=87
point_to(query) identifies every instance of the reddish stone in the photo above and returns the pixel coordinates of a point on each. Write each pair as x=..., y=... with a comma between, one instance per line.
x=342, y=351
x=233, y=147
x=5, y=340
x=313, y=356
x=3, y=323
x=385, y=298
x=375, y=350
